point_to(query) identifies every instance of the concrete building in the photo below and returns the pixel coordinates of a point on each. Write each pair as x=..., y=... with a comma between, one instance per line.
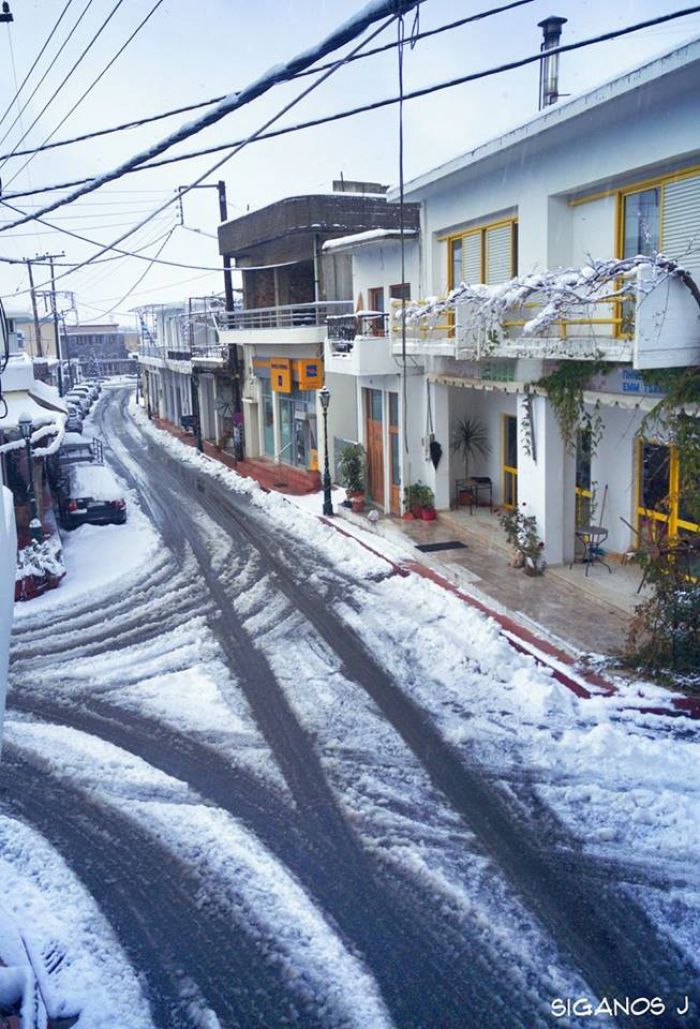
x=602, y=177
x=170, y=335
x=100, y=349
x=291, y=286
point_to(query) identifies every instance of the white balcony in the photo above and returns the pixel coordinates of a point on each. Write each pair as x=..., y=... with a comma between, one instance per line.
x=300, y=324
x=359, y=344
x=647, y=317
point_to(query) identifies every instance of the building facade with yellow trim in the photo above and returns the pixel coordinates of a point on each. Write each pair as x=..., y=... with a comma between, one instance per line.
x=608, y=175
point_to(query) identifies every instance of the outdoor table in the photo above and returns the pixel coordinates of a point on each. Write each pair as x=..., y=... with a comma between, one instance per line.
x=591, y=537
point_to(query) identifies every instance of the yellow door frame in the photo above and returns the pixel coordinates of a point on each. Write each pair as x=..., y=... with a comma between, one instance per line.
x=509, y=473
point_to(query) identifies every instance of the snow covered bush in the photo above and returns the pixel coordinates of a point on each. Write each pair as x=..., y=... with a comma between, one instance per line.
x=39, y=568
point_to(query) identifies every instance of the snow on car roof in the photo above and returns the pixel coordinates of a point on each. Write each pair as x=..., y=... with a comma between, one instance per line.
x=74, y=439
x=94, y=481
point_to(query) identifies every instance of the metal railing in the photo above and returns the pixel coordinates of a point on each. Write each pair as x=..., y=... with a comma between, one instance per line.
x=611, y=325
x=343, y=329
x=287, y=316
x=210, y=350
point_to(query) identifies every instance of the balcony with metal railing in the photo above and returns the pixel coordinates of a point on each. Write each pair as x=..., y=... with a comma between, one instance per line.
x=644, y=317
x=299, y=323
x=359, y=344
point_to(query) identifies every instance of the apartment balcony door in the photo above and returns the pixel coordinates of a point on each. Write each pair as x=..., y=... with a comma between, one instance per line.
x=509, y=466
x=374, y=434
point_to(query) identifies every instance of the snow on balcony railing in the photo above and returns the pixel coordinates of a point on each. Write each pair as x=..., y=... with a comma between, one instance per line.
x=283, y=317
x=579, y=312
x=343, y=329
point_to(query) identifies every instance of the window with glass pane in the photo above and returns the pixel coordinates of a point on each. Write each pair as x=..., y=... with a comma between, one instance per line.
x=455, y=263
x=656, y=468
x=642, y=220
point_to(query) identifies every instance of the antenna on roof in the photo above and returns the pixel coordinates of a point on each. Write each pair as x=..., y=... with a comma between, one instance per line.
x=549, y=66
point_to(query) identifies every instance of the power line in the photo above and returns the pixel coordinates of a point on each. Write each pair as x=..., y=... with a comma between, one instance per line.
x=355, y=26
x=89, y=89
x=379, y=104
x=348, y=31
x=102, y=249
x=65, y=79
x=41, y=81
x=142, y=276
x=140, y=122
x=38, y=57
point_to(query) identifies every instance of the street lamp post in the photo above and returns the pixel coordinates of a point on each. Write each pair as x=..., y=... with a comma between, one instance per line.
x=25, y=428
x=325, y=397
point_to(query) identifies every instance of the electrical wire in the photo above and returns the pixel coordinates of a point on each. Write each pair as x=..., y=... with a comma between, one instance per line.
x=348, y=31
x=65, y=79
x=379, y=104
x=142, y=276
x=18, y=90
x=104, y=248
x=369, y=15
x=58, y=53
x=89, y=89
x=217, y=99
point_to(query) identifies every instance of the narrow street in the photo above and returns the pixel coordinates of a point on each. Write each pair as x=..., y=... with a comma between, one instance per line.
x=318, y=849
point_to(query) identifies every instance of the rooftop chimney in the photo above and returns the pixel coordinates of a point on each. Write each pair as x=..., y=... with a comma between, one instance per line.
x=549, y=66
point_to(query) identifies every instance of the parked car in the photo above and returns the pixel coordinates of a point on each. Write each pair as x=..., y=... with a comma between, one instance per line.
x=76, y=448
x=90, y=494
x=74, y=421
x=87, y=389
x=80, y=401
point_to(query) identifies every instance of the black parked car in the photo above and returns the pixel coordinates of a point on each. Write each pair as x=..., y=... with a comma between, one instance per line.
x=90, y=494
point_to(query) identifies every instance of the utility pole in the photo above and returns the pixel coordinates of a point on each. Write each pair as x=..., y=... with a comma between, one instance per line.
x=37, y=324
x=35, y=311
x=233, y=349
x=234, y=366
x=54, y=311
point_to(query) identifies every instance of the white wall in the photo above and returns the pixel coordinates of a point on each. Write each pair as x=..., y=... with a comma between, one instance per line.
x=379, y=264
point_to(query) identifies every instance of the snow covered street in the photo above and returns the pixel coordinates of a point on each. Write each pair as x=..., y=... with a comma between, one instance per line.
x=252, y=776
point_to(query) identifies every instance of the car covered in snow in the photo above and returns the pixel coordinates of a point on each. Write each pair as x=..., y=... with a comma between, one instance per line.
x=74, y=420
x=90, y=494
x=77, y=448
x=80, y=401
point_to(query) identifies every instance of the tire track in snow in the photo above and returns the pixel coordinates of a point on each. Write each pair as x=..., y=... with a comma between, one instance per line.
x=425, y=968
x=168, y=935
x=608, y=938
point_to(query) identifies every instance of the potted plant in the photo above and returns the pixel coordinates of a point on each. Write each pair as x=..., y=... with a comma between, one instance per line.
x=521, y=533
x=469, y=439
x=428, y=513
x=419, y=501
x=353, y=466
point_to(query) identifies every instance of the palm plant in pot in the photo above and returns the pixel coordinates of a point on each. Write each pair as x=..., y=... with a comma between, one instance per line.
x=353, y=474
x=470, y=440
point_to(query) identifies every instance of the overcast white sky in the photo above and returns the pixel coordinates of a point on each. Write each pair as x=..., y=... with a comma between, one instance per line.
x=193, y=51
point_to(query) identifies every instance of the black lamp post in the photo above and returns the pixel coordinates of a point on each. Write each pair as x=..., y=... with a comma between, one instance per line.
x=325, y=397
x=25, y=428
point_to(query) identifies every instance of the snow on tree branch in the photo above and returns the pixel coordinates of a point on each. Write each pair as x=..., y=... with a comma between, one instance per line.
x=548, y=297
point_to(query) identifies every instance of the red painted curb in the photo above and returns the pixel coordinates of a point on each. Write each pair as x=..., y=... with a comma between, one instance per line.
x=526, y=642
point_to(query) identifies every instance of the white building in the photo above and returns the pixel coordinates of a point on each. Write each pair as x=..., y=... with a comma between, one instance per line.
x=607, y=175
x=171, y=335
